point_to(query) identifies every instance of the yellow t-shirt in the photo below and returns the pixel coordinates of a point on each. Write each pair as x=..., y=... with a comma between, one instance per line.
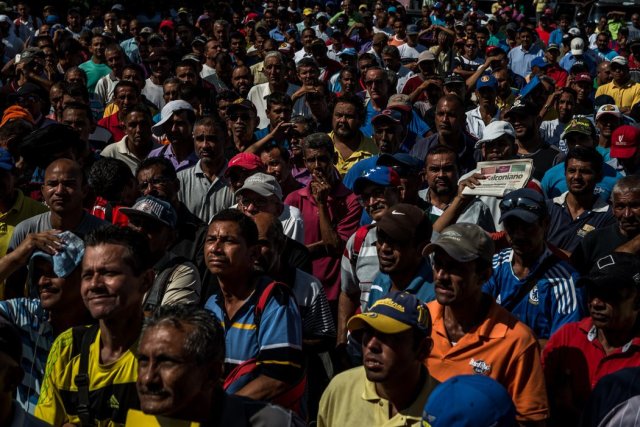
x=112, y=387
x=366, y=149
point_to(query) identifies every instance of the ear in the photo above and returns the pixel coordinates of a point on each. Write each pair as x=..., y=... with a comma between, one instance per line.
x=424, y=348
x=147, y=278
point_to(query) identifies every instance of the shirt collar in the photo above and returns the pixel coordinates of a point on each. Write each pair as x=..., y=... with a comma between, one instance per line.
x=600, y=205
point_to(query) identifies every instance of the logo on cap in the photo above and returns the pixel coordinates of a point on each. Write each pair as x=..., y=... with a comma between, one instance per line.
x=484, y=79
x=480, y=366
x=395, y=212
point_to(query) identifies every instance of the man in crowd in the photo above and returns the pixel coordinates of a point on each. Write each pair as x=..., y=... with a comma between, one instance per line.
x=203, y=188
x=191, y=385
x=579, y=354
x=96, y=66
x=393, y=384
x=471, y=333
x=528, y=279
x=116, y=273
x=126, y=95
x=624, y=91
x=176, y=125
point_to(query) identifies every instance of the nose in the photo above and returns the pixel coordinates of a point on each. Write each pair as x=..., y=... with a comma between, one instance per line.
x=148, y=373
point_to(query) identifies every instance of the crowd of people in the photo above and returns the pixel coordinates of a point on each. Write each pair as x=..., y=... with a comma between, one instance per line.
x=272, y=214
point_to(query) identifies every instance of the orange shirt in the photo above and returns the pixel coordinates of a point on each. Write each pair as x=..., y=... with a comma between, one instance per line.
x=502, y=348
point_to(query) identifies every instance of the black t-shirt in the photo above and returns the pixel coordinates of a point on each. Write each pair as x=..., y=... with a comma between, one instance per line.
x=543, y=160
x=595, y=245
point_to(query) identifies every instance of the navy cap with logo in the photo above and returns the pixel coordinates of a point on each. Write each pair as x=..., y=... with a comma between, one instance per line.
x=397, y=312
x=525, y=204
x=617, y=270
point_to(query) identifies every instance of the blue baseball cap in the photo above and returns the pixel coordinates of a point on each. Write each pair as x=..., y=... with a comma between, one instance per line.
x=397, y=312
x=487, y=81
x=380, y=175
x=349, y=51
x=149, y=207
x=469, y=401
x=525, y=204
x=403, y=163
x=389, y=114
x=539, y=62
x=67, y=258
x=529, y=87
x=6, y=160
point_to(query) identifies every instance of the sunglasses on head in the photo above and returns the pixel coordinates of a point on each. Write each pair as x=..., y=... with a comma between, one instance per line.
x=522, y=203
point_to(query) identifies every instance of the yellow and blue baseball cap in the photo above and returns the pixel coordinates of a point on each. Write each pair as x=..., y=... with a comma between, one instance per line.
x=395, y=313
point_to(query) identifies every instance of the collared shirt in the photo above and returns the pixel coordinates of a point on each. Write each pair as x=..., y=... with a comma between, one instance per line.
x=23, y=208
x=105, y=87
x=466, y=156
x=566, y=232
x=575, y=357
x=421, y=285
x=278, y=349
x=500, y=347
x=112, y=123
x=626, y=96
x=203, y=197
x=475, y=122
x=167, y=153
x=553, y=301
x=554, y=182
x=344, y=212
x=120, y=151
x=351, y=400
x=366, y=148
x=520, y=59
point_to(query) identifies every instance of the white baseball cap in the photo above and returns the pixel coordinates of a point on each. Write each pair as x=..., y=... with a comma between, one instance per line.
x=577, y=46
x=495, y=130
x=608, y=109
x=166, y=113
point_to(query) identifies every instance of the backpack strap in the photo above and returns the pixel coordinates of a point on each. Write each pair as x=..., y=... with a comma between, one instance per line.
x=358, y=241
x=159, y=287
x=531, y=281
x=88, y=336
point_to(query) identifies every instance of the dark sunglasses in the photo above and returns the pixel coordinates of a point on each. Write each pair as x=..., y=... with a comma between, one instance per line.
x=522, y=203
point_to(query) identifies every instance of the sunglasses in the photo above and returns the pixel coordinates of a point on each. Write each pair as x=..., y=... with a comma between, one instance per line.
x=235, y=116
x=153, y=182
x=522, y=203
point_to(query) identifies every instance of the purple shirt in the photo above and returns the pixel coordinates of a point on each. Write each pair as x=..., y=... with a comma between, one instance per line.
x=344, y=212
x=166, y=151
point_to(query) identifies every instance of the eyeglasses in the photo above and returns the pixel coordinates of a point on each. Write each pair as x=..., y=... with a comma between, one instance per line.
x=522, y=203
x=153, y=182
x=377, y=193
x=258, y=203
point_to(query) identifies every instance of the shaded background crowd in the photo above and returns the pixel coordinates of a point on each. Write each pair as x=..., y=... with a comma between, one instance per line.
x=253, y=213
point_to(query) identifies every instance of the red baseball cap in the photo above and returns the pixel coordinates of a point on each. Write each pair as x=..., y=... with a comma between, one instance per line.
x=246, y=161
x=583, y=77
x=167, y=23
x=625, y=141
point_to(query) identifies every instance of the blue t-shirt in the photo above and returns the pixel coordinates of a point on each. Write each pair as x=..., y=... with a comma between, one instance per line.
x=421, y=286
x=276, y=342
x=552, y=302
x=554, y=182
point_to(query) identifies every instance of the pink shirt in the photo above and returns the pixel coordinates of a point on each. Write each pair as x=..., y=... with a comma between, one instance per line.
x=345, y=212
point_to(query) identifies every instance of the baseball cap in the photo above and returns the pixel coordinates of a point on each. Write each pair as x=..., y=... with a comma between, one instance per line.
x=624, y=142
x=67, y=257
x=263, y=184
x=495, y=130
x=400, y=102
x=617, y=270
x=487, y=81
x=242, y=104
x=349, y=51
x=322, y=15
x=31, y=89
x=608, y=109
x=10, y=341
x=248, y=161
x=574, y=31
x=521, y=106
x=383, y=176
x=404, y=163
x=167, y=23
x=387, y=115
x=157, y=53
x=553, y=46
x=307, y=11
x=453, y=79
x=525, y=204
x=463, y=242
x=620, y=60
x=601, y=100
x=16, y=112
x=166, y=113
x=437, y=5
x=577, y=46
x=401, y=221
x=29, y=54
x=539, y=62
x=6, y=160
x=469, y=401
x=397, y=312
x=582, y=77
x=117, y=7
x=580, y=125
x=512, y=26
x=149, y=207
x=426, y=56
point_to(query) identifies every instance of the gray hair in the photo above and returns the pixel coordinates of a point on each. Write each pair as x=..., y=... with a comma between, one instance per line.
x=626, y=184
x=274, y=54
x=308, y=122
x=318, y=141
x=205, y=342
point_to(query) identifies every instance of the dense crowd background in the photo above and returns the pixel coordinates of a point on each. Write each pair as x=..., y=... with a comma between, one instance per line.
x=252, y=213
